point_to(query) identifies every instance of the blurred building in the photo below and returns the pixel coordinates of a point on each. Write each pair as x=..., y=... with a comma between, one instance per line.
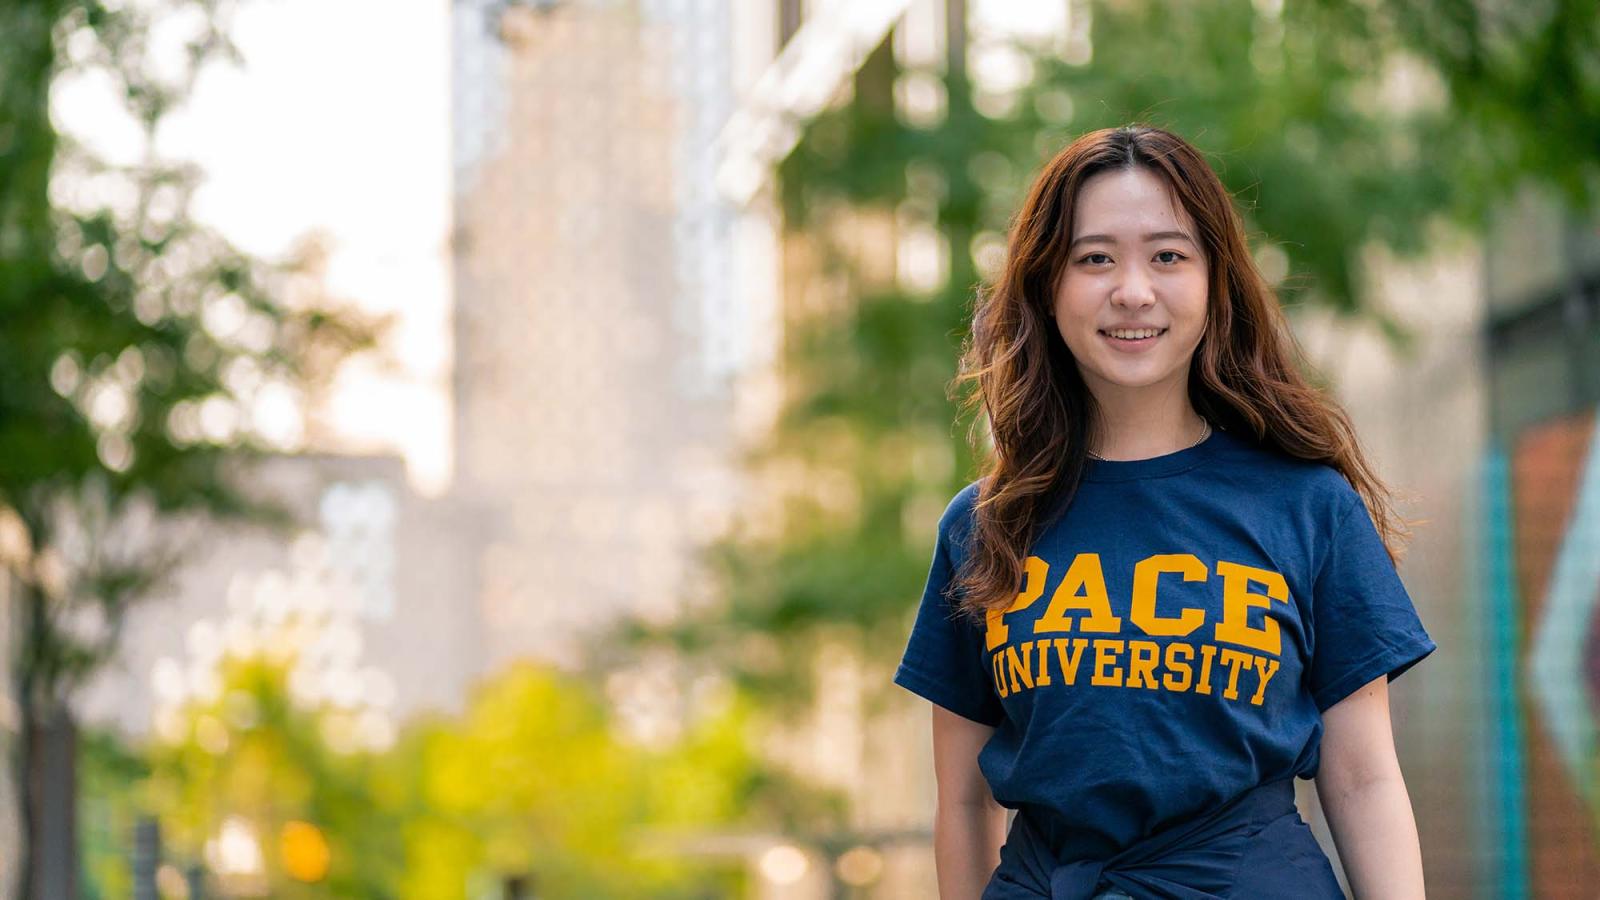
x=1422, y=419
x=602, y=331
x=1489, y=429
x=598, y=327
x=598, y=342
x=370, y=589
x=1539, y=551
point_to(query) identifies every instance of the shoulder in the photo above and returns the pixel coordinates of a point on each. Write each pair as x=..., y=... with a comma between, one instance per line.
x=957, y=521
x=1310, y=486
x=960, y=506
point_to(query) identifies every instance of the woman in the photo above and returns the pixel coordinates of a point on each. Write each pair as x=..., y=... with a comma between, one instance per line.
x=1208, y=602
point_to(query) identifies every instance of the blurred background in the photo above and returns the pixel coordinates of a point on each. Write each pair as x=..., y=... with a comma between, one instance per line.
x=493, y=449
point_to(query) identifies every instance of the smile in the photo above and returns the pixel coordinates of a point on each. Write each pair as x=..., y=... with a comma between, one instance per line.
x=1134, y=339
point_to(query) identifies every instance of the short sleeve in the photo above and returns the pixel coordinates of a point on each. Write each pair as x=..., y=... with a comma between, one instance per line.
x=944, y=656
x=1364, y=622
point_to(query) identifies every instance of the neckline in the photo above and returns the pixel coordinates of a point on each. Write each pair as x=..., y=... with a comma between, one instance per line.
x=1156, y=466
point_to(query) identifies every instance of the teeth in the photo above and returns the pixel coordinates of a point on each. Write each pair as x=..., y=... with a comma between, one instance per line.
x=1137, y=333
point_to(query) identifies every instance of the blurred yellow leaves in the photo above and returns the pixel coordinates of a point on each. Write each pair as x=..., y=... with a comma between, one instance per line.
x=534, y=779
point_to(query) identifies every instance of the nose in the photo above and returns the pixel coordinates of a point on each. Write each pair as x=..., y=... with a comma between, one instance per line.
x=1134, y=289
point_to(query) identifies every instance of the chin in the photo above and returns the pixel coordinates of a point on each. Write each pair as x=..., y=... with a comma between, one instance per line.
x=1136, y=379
x=1132, y=383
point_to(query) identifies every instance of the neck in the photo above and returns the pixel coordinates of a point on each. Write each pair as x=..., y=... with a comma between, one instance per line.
x=1135, y=424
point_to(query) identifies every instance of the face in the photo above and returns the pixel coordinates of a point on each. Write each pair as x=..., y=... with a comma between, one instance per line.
x=1134, y=262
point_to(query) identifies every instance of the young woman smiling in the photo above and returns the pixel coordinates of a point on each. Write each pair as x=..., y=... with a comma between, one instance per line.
x=1173, y=590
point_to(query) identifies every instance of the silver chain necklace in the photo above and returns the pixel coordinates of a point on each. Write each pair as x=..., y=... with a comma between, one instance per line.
x=1203, y=435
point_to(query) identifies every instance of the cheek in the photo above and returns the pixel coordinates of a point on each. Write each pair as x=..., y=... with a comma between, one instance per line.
x=1192, y=302
x=1076, y=304
x=1076, y=326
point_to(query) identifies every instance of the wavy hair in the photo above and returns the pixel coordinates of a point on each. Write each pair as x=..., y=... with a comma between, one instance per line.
x=1244, y=375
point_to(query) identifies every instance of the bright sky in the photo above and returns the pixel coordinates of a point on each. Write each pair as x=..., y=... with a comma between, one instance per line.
x=339, y=121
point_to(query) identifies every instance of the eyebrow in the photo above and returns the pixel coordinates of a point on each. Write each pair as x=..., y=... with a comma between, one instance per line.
x=1152, y=236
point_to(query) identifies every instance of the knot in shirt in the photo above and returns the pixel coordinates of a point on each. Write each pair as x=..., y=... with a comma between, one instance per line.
x=1194, y=860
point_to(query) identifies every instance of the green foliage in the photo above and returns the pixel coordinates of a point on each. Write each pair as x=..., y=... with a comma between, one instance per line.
x=531, y=780
x=1524, y=88
x=134, y=339
x=107, y=808
x=132, y=343
x=256, y=753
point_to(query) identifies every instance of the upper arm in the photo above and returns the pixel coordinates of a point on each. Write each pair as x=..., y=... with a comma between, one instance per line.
x=1357, y=740
x=1363, y=623
x=945, y=660
x=956, y=742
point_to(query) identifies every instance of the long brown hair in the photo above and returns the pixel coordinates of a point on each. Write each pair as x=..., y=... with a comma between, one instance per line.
x=1244, y=376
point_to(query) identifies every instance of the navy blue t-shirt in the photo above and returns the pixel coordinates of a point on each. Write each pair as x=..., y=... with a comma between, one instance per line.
x=1179, y=631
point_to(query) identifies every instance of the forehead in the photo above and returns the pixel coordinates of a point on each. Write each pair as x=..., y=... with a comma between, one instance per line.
x=1126, y=203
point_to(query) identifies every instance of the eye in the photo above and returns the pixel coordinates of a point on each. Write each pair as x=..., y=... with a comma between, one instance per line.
x=1089, y=258
x=1174, y=253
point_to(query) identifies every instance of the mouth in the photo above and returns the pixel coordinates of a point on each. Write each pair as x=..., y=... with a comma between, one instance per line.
x=1127, y=342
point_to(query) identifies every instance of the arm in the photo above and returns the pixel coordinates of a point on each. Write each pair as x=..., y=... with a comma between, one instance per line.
x=1364, y=797
x=968, y=825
